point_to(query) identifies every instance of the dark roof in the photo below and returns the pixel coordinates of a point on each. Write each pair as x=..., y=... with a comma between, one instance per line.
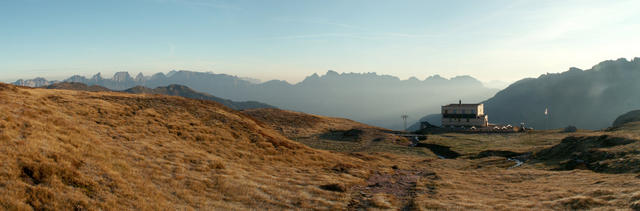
x=465, y=104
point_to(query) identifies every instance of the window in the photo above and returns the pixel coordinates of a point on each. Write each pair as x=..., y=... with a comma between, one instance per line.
x=467, y=119
x=455, y=111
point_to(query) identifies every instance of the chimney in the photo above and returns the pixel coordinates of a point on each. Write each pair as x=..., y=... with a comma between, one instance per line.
x=460, y=102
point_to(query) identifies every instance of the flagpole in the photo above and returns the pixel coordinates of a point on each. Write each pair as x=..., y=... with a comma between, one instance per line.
x=546, y=118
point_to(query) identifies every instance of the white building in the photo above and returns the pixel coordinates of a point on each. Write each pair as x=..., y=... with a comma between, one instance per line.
x=465, y=115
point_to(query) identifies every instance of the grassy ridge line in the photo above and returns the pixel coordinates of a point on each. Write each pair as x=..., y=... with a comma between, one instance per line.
x=65, y=149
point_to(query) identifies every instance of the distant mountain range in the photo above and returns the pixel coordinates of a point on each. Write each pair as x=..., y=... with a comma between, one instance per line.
x=589, y=99
x=374, y=99
x=184, y=91
x=172, y=90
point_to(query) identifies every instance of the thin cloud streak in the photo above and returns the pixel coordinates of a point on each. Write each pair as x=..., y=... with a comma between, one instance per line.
x=361, y=36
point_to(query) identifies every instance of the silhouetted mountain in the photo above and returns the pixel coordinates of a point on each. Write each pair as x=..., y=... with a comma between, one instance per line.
x=432, y=119
x=589, y=99
x=631, y=116
x=183, y=91
x=366, y=97
x=173, y=90
x=77, y=86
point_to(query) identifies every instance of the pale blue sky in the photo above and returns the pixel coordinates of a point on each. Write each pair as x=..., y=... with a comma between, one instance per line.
x=291, y=39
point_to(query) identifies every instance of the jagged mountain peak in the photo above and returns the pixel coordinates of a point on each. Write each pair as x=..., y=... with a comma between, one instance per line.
x=140, y=77
x=97, y=76
x=122, y=77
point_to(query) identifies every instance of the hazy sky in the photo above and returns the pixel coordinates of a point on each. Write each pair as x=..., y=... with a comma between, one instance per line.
x=290, y=39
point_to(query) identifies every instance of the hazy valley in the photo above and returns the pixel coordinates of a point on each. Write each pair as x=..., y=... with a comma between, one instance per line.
x=366, y=97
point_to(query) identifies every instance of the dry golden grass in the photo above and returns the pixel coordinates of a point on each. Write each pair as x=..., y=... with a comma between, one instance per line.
x=81, y=150
x=335, y=134
x=488, y=184
x=471, y=144
x=527, y=188
x=65, y=150
x=301, y=125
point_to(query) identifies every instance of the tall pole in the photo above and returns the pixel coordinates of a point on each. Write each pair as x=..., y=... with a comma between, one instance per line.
x=404, y=118
x=546, y=118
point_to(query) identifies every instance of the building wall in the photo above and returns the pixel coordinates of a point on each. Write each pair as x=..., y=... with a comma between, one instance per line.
x=480, y=120
x=463, y=109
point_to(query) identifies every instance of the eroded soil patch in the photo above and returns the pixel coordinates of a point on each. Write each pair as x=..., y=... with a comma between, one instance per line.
x=396, y=189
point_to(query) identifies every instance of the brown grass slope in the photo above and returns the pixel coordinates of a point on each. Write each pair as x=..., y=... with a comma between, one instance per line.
x=63, y=149
x=331, y=133
x=67, y=150
x=605, y=177
x=299, y=125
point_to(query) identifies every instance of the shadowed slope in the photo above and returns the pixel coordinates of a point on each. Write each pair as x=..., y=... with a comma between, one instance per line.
x=77, y=86
x=184, y=91
x=588, y=99
x=631, y=116
x=172, y=90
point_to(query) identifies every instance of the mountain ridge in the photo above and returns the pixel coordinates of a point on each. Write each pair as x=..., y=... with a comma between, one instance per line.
x=365, y=97
x=171, y=90
x=589, y=99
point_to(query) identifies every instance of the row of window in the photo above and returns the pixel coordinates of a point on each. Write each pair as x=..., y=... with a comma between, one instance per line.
x=462, y=111
x=451, y=120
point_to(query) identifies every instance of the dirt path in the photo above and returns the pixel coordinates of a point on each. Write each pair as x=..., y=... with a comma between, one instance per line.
x=398, y=188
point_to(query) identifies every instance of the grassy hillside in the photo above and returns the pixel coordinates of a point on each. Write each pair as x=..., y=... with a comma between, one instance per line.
x=335, y=134
x=83, y=150
x=64, y=149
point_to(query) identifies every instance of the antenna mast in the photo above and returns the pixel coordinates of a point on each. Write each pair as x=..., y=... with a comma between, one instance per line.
x=404, y=118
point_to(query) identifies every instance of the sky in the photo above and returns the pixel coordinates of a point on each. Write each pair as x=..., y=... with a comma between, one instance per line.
x=291, y=39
